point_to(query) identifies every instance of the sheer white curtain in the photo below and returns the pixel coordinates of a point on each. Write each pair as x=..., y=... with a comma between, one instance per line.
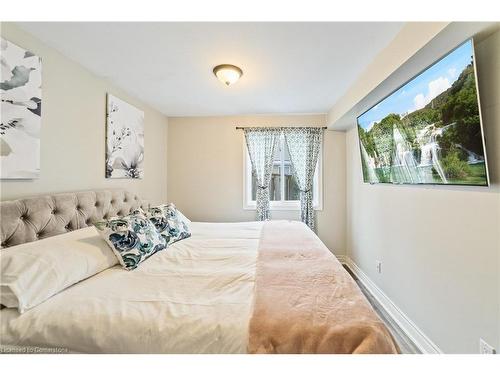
x=304, y=145
x=261, y=143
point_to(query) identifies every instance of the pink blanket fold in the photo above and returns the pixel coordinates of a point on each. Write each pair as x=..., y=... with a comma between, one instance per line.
x=305, y=302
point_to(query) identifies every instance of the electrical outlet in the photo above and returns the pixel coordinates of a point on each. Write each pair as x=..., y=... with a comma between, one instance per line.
x=379, y=266
x=485, y=348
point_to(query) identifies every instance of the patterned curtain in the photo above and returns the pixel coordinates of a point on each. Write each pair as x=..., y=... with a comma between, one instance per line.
x=304, y=145
x=261, y=143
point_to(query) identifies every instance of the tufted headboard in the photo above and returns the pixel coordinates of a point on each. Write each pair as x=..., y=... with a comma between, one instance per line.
x=31, y=219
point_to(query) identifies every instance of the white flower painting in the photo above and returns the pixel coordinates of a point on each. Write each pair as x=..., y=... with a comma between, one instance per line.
x=21, y=109
x=124, y=140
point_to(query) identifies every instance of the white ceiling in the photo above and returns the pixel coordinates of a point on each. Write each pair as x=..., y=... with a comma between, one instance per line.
x=287, y=67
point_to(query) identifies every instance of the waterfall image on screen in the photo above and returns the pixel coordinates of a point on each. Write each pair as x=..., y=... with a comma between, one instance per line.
x=429, y=130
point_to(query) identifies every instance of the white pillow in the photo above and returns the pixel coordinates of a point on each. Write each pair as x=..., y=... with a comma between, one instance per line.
x=33, y=272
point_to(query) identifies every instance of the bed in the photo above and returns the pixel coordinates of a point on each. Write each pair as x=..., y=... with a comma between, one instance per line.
x=252, y=287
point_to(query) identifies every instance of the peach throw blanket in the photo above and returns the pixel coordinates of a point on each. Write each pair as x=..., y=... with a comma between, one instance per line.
x=305, y=302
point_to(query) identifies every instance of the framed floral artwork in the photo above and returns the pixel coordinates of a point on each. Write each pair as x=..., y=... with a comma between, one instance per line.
x=21, y=112
x=124, y=139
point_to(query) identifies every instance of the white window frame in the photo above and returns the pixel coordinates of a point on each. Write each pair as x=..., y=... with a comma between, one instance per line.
x=282, y=205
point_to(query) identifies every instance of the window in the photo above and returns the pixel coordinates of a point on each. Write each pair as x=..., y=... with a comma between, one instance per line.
x=283, y=190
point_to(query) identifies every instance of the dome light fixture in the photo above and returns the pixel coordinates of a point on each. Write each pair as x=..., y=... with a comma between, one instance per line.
x=227, y=73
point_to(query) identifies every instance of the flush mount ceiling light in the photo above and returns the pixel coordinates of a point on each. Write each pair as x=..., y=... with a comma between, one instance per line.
x=227, y=74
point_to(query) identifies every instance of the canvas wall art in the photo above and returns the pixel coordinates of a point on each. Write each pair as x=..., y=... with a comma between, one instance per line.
x=21, y=109
x=124, y=140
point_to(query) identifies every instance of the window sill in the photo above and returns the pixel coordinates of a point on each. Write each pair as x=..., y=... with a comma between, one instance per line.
x=282, y=207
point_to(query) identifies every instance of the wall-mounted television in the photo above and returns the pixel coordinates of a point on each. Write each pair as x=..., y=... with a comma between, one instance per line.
x=428, y=131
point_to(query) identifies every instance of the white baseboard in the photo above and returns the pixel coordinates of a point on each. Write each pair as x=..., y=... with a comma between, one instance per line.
x=342, y=258
x=423, y=343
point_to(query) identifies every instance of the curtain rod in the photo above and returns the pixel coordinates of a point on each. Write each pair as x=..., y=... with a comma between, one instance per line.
x=282, y=127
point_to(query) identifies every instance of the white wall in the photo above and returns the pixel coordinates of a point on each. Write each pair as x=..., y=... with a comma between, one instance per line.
x=439, y=245
x=205, y=171
x=412, y=37
x=73, y=131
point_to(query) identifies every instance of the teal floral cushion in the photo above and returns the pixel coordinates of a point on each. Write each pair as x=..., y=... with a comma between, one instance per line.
x=132, y=238
x=169, y=223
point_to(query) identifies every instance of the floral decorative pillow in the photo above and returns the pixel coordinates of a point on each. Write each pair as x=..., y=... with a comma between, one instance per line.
x=171, y=225
x=132, y=238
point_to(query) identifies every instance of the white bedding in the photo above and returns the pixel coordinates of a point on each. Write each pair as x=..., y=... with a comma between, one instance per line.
x=194, y=297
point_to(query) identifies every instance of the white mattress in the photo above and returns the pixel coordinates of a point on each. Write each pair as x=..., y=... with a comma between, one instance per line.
x=194, y=297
